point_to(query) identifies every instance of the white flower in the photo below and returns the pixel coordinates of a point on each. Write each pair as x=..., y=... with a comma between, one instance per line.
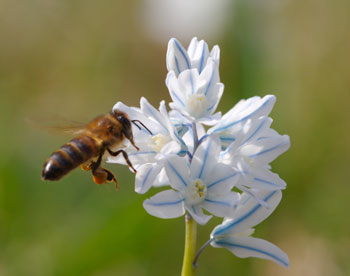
x=193, y=80
x=234, y=233
x=203, y=166
x=231, y=124
x=202, y=184
x=250, y=144
x=163, y=141
x=196, y=57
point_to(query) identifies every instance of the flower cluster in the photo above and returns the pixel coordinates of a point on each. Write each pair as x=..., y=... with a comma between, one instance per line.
x=211, y=164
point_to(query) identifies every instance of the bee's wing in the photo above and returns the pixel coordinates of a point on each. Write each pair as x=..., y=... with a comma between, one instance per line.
x=58, y=125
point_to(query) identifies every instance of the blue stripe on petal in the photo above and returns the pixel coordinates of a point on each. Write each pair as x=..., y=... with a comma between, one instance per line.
x=210, y=81
x=178, y=46
x=218, y=202
x=194, y=210
x=180, y=139
x=146, y=177
x=244, y=217
x=202, y=138
x=189, y=155
x=177, y=173
x=165, y=202
x=242, y=119
x=177, y=66
x=254, y=133
x=278, y=259
x=227, y=139
x=191, y=80
x=211, y=107
x=220, y=180
x=267, y=150
x=202, y=59
x=205, y=158
x=246, y=200
x=266, y=182
x=177, y=97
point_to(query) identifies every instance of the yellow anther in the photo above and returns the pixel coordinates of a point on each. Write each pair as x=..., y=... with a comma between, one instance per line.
x=196, y=191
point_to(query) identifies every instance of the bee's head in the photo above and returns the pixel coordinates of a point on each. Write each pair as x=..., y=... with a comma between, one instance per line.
x=124, y=120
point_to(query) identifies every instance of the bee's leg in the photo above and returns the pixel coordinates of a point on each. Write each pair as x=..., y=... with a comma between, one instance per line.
x=98, y=174
x=88, y=166
x=101, y=175
x=125, y=155
x=111, y=177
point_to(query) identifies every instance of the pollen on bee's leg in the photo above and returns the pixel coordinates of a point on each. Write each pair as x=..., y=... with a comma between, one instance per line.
x=88, y=166
x=100, y=177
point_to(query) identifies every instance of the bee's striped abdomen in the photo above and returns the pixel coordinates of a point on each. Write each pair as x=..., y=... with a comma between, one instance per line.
x=69, y=156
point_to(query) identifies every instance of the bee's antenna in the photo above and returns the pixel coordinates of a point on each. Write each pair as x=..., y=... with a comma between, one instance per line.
x=138, y=121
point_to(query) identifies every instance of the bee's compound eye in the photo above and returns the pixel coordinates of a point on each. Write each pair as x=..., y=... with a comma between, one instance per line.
x=123, y=120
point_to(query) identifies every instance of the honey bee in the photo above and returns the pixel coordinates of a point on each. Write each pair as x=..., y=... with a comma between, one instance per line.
x=100, y=136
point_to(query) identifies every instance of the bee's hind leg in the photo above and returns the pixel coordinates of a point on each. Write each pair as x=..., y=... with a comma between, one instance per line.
x=125, y=155
x=99, y=174
x=111, y=177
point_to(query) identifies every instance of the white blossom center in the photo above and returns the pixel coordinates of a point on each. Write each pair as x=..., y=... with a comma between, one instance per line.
x=196, y=192
x=157, y=142
x=197, y=105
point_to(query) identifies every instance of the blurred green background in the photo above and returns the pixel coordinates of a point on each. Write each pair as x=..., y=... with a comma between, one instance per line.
x=78, y=58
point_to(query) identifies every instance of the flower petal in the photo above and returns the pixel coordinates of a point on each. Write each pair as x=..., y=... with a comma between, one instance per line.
x=145, y=177
x=263, y=179
x=176, y=93
x=211, y=76
x=162, y=179
x=221, y=205
x=215, y=54
x=198, y=52
x=171, y=148
x=190, y=82
x=177, y=59
x=151, y=112
x=197, y=213
x=266, y=150
x=206, y=157
x=166, y=204
x=244, y=247
x=210, y=120
x=177, y=171
x=253, y=129
x=223, y=180
x=249, y=213
x=217, y=91
x=254, y=107
x=144, y=155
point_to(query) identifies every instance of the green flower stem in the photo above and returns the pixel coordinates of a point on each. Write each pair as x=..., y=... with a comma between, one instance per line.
x=190, y=247
x=191, y=228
